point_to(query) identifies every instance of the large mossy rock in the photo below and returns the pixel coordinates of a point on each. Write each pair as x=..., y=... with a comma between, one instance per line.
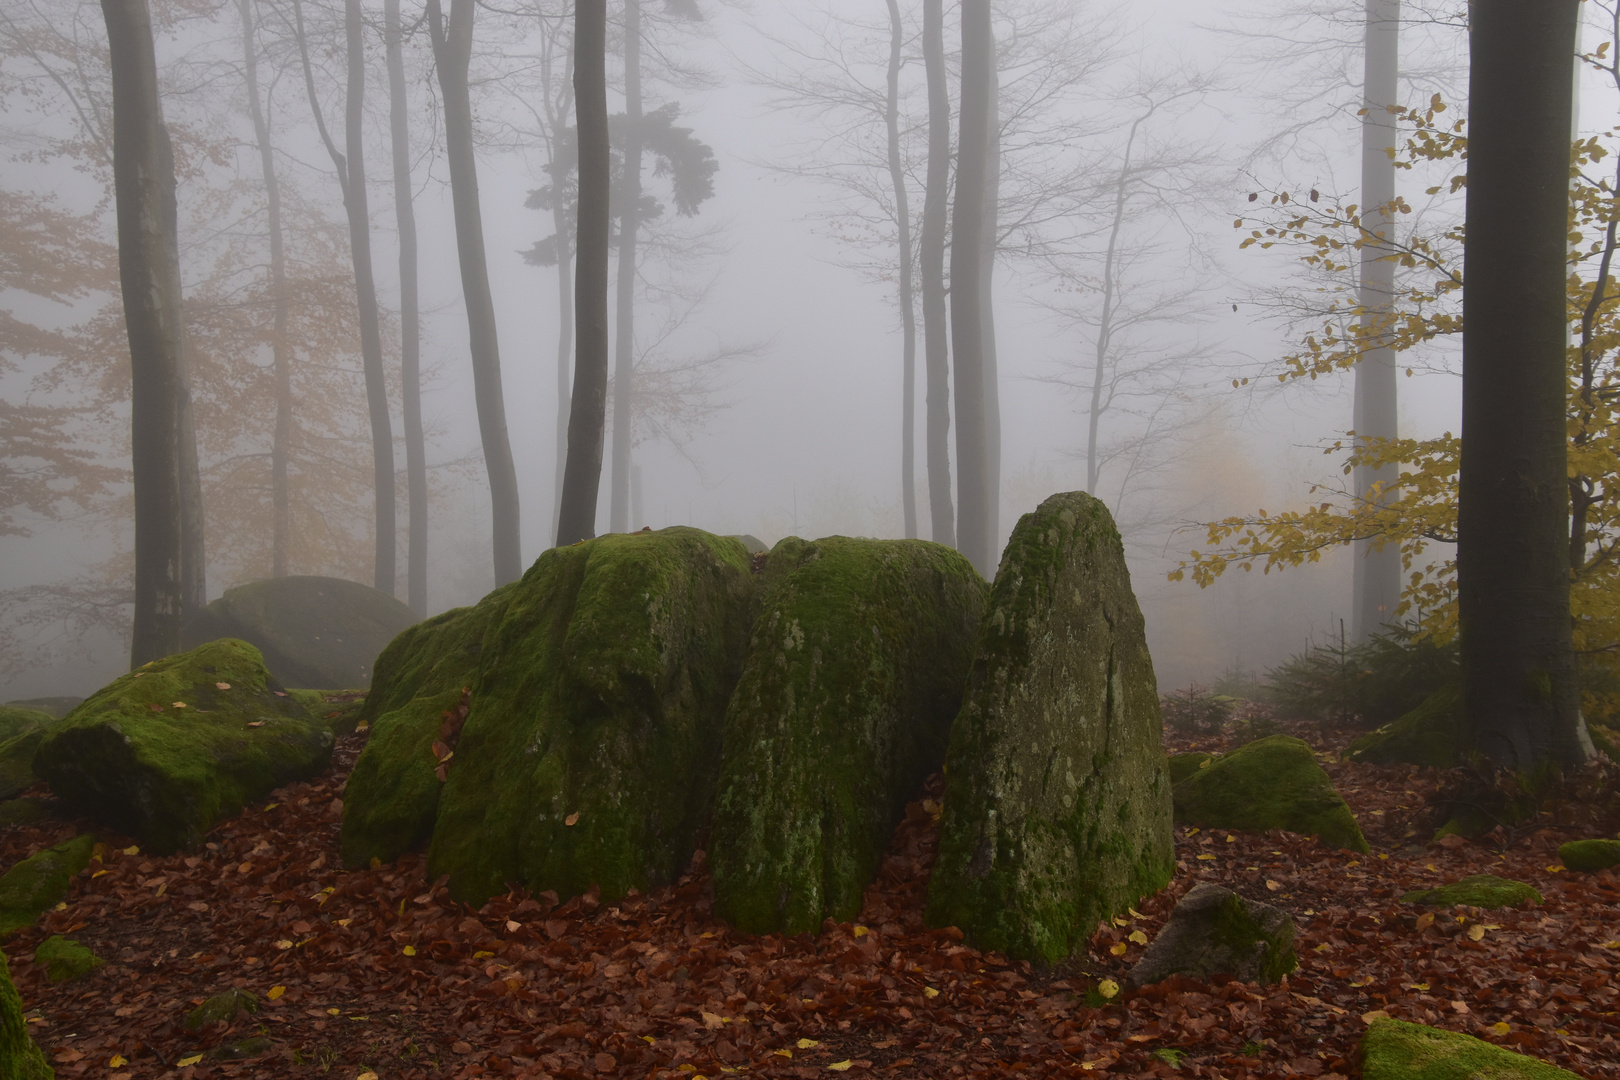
x=171, y=748
x=40, y=882
x=316, y=632
x=591, y=750
x=1271, y=783
x=21, y=732
x=1214, y=931
x=1480, y=890
x=1057, y=801
x=1589, y=856
x=1396, y=1050
x=20, y=1057
x=1430, y=734
x=854, y=672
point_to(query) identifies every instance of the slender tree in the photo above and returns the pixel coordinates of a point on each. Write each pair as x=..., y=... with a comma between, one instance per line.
x=936, y=345
x=989, y=245
x=556, y=105
x=967, y=271
x=452, y=51
x=148, y=267
x=908, y=306
x=1520, y=691
x=576, y=519
x=624, y=331
x=410, y=326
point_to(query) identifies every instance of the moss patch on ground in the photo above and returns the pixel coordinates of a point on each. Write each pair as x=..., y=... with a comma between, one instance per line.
x=1057, y=799
x=591, y=751
x=40, y=882
x=20, y=1057
x=65, y=959
x=1588, y=856
x=21, y=812
x=165, y=752
x=1396, y=1050
x=1271, y=783
x=1480, y=890
x=21, y=732
x=854, y=672
x=1430, y=734
x=1181, y=766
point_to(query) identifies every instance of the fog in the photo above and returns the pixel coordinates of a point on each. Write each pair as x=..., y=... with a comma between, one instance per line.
x=799, y=434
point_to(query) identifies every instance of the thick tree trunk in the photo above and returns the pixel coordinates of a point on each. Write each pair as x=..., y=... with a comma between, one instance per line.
x=588, y=412
x=1520, y=691
x=565, y=346
x=624, y=329
x=148, y=261
x=410, y=325
x=1377, y=575
x=452, y=49
x=989, y=243
x=908, y=307
x=936, y=347
x=967, y=272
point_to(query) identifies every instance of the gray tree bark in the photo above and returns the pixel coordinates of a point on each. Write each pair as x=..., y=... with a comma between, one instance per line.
x=624, y=331
x=908, y=306
x=556, y=110
x=936, y=346
x=967, y=273
x=989, y=243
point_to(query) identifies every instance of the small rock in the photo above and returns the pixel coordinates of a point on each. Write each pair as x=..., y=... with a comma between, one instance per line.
x=1480, y=890
x=243, y=1048
x=65, y=959
x=40, y=881
x=1213, y=931
x=1271, y=783
x=221, y=1007
x=1396, y=1050
x=1589, y=855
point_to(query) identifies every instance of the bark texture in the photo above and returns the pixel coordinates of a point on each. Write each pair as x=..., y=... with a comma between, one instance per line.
x=936, y=344
x=624, y=331
x=908, y=306
x=967, y=299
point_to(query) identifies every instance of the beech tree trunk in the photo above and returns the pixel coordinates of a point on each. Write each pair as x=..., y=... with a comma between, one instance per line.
x=588, y=412
x=148, y=264
x=1520, y=690
x=1377, y=574
x=989, y=242
x=624, y=330
x=967, y=273
x=936, y=347
x=452, y=50
x=908, y=307
x=565, y=346
x=410, y=325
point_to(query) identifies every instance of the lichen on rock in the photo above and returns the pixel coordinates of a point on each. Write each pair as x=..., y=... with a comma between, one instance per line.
x=1271, y=783
x=1214, y=931
x=1430, y=734
x=20, y=1057
x=1479, y=890
x=854, y=672
x=1396, y=1050
x=1057, y=800
x=165, y=752
x=1588, y=856
x=40, y=882
x=65, y=959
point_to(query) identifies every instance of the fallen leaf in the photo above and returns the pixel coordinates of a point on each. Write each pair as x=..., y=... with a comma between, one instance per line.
x=1118, y=948
x=806, y=1044
x=410, y=950
x=222, y=686
x=1476, y=932
x=783, y=1052
x=1138, y=937
x=840, y=1066
x=276, y=992
x=1108, y=988
x=189, y=1059
x=179, y=704
x=117, y=1060
x=1206, y=857
x=1272, y=885
x=1376, y=1014
x=572, y=819
x=930, y=992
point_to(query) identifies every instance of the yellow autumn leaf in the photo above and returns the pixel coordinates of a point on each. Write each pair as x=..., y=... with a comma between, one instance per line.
x=222, y=686
x=367, y=1075
x=1476, y=932
x=1138, y=937
x=860, y=931
x=840, y=1066
x=1376, y=1014
x=1118, y=949
x=364, y=725
x=117, y=1060
x=189, y=1059
x=276, y=992
x=1230, y=839
x=1108, y=988
x=1273, y=886
x=930, y=992
x=1417, y=986
x=481, y=953
x=783, y=1052
x=1500, y=1028
x=1206, y=857
x=284, y=944
x=333, y=1012
x=132, y=850
x=805, y=1044
x=1134, y=913
x=410, y=950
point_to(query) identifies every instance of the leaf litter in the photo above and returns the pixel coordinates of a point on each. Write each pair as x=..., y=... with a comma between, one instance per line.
x=375, y=971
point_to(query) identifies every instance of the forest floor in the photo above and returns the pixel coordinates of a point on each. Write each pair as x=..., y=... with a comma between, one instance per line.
x=377, y=972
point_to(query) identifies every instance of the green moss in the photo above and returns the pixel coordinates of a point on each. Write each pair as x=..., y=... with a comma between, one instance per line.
x=855, y=670
x=20, y=1058
x=16, y=720
x=223, y=1006
x=131, y=757
x=1396, y=1050
x=65, y=959
x=1480, y=890
x=1271, y=783
x=392, y=797
x=1057, y=801
x=599, y=701
x=21, y=812
x=21, y=732
x=1589, y=855
x=1240, y=935
x=1215, y=931
x=40, y=882
x=1430, y=734
x=1181, y=766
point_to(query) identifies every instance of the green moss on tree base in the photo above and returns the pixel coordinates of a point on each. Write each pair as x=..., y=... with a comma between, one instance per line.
x=1395, y=1050
x=1430, y=734
x=65, y=959
x=1271, y=783
x=40, y=882
x=1057, y=802
x=1480, y=890
x=1588, y=856
x=20, y=1058
x=854, y=673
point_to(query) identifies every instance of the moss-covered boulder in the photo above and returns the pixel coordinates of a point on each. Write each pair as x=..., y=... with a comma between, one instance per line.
x=1057, y=801
x=222, y=1007
x=1589, y=856
x=854, y=672
x=40, y=882
x=1214, y=931
x=21, y=732
x=1181, y=766
x=1430, y=734
x=171, y=748
x=21, y=812
x=1480, y=890
x=1396, y=1050
x=1271, y=783
x=592, y=746
x=19, y=720
x=20, y=1057
x=65, y=959
x=392, y=797
x=313, y=631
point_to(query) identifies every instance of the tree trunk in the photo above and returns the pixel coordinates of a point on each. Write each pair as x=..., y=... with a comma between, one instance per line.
x=148, y=261
x=989, y=243
x=281, y=360
x=908, y=307
x=936, y=347
x=410, y=325
x=1520, y=691
x=1105, y=317
x=967, y=272
x=588, y=412
x=624, y=330
x=565, y=346
x=452, y=49
x=1377, y=575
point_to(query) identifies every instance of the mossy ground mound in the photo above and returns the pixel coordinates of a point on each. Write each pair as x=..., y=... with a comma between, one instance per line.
x=1057, y=801
x=1271, y=783
x=1480, y=890
x=313, y=631
x=1589, y=856
x=592, y=747
x=1430, y=734
x=1396, y=1050
x=65, y=959
x=1214, y=931
x=166, y=751
x=21, y=732
x=1181, y=766
x=40, y=882
x=854, y=672
x=20, y=1057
